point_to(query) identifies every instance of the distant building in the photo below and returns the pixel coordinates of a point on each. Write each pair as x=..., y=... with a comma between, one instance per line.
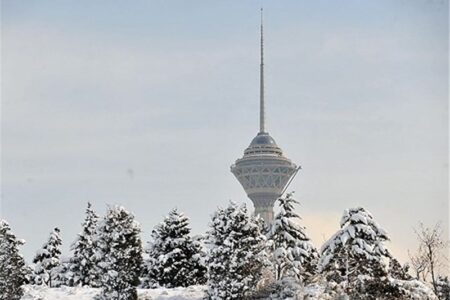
x=263, y=171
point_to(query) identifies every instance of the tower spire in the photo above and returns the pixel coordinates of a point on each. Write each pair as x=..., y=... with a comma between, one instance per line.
x=261, y=82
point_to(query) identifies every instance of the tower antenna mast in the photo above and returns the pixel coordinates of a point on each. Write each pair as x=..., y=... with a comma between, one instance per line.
x=262, y=113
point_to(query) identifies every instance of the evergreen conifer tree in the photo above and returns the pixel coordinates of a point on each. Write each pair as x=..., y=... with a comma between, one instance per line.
x=356, y=257
x=62, y=274
x=47, y=260
x=236, y=253
x=83, y=263
x=175, y=259
x=397, y=271
x=356, y=254
x=443, y=288
x=13, y=270
x=119, y=254
x=293, y=253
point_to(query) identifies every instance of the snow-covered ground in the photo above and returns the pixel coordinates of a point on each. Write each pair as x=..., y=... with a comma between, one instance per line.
x=33, y=292
x=417, y=291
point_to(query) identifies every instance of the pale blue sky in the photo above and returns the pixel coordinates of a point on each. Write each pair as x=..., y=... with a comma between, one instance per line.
x=148, y=103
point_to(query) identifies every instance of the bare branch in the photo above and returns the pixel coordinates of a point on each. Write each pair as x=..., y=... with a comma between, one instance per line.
x=429, y=257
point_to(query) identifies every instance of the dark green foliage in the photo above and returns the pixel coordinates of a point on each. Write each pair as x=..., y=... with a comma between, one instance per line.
x=377, y=288
x=397, y=271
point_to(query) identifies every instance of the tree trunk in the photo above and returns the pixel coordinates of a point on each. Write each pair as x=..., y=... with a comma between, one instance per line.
x=433, y=279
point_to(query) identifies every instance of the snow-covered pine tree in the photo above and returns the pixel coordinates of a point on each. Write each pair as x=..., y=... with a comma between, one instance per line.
x=356, y=249
x=443, y=288
x=83, y=263
x=174, y=258
x=47, y=259
x=119, y=254
x=356, y=255
x=13, y=270
x=293, y=253
x=236, y=253
x=397, y=271
x=62, y=274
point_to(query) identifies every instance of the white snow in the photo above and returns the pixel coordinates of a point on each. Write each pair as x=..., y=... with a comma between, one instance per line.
x=33, y=292
x=317, y=291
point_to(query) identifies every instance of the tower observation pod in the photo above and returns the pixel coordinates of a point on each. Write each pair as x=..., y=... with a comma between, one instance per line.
x=264, y=172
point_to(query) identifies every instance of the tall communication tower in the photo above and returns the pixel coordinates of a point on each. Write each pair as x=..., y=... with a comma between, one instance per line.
x=263, y=171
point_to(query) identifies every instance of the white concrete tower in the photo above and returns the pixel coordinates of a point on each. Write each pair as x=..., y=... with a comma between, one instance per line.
x=263, y=171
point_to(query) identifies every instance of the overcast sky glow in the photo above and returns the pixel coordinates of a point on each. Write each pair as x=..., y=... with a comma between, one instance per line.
x=148, y=103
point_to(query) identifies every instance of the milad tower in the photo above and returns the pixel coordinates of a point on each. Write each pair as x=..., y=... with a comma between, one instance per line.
x=264, y=172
